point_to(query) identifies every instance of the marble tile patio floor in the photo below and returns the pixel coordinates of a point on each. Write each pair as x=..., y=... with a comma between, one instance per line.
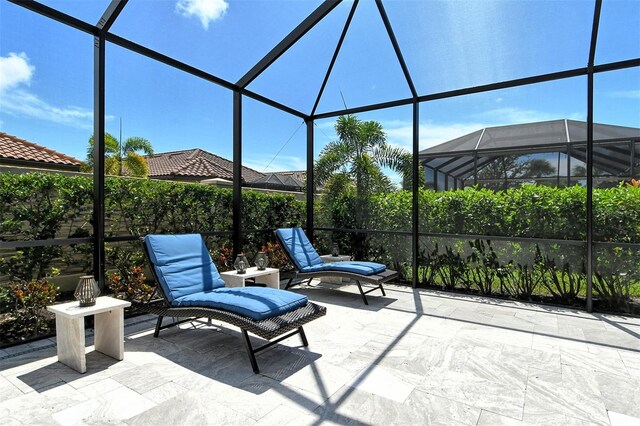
x=414, y=357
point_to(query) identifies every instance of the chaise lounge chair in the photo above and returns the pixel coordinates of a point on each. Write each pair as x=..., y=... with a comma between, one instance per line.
x=310, y=265
x=189, y=285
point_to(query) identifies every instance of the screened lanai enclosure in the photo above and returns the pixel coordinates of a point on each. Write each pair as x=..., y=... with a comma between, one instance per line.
x=549, y=153
x=462, y=87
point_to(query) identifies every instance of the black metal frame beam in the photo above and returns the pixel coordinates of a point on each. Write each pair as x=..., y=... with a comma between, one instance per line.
x=45, y=243
x=336, y=52
x=396, y=48
x=577, y=72
x=111, y=14
x=167, y=60
x=274, y=104
x=296, y=34
x=237, y=174
x=309, y=181
x=107, y=19
x=56, y=15
x=415, y=207
x=98, y=158
x=590, y=74
x=174, y=63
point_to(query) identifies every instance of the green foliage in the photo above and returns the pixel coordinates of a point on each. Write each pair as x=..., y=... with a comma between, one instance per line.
x=39, y=207
x=481, y=266
x=130, y=285
x=517, y=269
x=28, y=301
x=360, y=152
x=122, y=159
x=46, y=206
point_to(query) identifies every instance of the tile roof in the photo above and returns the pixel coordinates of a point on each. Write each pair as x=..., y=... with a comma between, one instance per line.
x=300, y=175
x=195, y=163
x=14, y=148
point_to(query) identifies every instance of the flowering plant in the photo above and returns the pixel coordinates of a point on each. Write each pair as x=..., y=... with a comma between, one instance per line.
x=131, y=285
x=28, y=301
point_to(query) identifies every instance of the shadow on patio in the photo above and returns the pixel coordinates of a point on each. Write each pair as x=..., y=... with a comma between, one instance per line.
x=414, y=357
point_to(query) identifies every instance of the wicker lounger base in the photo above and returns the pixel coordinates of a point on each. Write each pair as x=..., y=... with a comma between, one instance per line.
x=268, y=329
x=378, y=279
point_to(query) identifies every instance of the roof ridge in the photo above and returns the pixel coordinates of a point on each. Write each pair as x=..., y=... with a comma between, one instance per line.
x=161, y=154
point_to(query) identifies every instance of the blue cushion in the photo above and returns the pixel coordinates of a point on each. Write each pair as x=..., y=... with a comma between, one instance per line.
x=183, y=265
x=296, y=243
x=257, y=303
x=355, y=267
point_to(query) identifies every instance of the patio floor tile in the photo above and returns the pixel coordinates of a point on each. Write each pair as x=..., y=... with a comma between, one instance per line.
x=412, y=357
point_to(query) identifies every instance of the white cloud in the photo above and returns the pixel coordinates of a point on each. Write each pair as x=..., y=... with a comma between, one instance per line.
x=626, y=94
x=431, y=134
x=15, y=73
x=15, y=70
x=24, y=104
x=205, y=10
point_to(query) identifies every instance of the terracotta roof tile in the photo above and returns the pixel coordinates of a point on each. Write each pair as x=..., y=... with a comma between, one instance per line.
x=12, y=147
x=195, y=163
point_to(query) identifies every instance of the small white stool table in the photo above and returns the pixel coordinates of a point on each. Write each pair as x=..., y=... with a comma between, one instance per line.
x=108, y=330
x=328, y=258
x=270, y=277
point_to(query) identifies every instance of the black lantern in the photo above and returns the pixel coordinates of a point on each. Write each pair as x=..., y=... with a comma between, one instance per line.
x=87, y=291
x=241, y=264
x=262, y=261
x=335, y=252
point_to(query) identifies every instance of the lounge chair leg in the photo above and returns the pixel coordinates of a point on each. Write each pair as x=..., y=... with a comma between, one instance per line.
x=252, y=356
x=288, y=284
x=303, y=336
x=158, y=326
x=382, y=290
x=364, y=298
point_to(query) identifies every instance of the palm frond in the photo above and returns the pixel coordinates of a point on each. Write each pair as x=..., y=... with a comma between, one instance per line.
x=135, y=165
x=111, y=147
x=137, y=144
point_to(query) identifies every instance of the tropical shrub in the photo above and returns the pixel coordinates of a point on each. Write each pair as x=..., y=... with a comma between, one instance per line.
x=455, y=254
x=27, y=316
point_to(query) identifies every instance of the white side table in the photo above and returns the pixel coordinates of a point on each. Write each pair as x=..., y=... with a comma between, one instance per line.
x=270, y=277
x=327, y=258
x=108, y=330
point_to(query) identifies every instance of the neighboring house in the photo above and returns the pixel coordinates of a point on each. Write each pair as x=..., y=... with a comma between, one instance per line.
x=282, y=181
x=195, y=165
x=21, y=153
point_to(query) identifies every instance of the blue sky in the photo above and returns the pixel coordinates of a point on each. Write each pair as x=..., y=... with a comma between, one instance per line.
x=46, y=71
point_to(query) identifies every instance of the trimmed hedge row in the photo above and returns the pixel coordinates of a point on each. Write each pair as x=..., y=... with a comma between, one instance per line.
x=485, y=265
x=44, y=206
x=530, y=211
x=36, y=206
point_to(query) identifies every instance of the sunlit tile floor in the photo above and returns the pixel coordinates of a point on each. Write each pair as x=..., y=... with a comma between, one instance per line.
x=414, y=357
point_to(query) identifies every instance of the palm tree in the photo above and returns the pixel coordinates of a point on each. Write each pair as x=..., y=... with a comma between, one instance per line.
x=361, y=151
x=123, y=159
x=353, y=165
x=539, y=167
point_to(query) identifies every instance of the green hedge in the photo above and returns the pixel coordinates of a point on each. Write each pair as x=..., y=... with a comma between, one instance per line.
x=530, y=211
x=45, y=206
x=38, y=206
x=519, y=269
